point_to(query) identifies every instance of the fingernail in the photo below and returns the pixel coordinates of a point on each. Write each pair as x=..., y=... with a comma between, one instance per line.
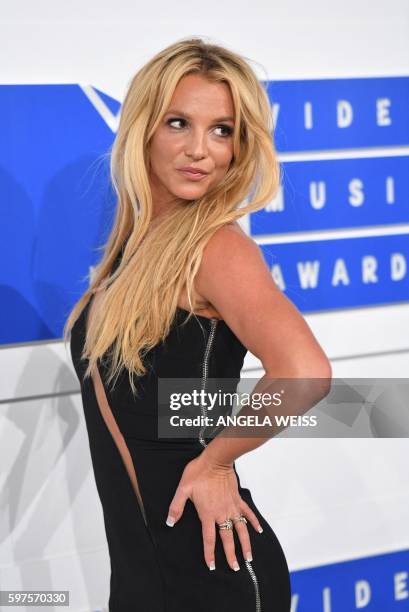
x=249, y=557
x=236, y=566
x=170, y=521
x=260, y=530
x=212, y=566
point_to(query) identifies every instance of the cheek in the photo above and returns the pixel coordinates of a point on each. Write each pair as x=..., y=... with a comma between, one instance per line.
x=162, y=151
x=223, y=157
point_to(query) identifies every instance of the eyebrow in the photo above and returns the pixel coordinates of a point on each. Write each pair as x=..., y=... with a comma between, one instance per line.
x=174, y=111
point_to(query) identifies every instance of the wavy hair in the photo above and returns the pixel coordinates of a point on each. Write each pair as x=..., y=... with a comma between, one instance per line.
x=162, y=257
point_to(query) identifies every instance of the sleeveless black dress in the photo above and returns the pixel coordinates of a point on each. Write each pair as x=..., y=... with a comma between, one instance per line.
x=156, y=568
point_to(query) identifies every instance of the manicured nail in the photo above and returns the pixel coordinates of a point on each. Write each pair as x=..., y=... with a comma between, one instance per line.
x=212, y=566
x=170, y=521
x=236, y=566
x=249, y=557
x=260, y=529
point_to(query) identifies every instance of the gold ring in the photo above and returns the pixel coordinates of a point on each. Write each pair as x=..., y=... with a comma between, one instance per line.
x=239, y=519
x=227, y=524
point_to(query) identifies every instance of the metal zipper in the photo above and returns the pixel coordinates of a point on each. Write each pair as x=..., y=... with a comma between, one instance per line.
x=205, y=365
x=252, y=573
x=213, y=324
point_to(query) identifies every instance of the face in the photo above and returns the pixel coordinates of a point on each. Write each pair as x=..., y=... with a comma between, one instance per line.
x=196, y=133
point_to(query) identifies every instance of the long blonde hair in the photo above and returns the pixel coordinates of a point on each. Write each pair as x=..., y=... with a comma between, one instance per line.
x=160, y=258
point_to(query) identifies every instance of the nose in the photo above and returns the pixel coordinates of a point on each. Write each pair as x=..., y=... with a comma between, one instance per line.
x=196, y=146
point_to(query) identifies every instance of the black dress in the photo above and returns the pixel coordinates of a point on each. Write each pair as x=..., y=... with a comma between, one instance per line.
x=156, y=568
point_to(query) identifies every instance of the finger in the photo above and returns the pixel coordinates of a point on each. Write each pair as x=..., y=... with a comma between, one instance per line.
x=227, y=538
x=176, y=507
x=209, y=540
x=250, y=516
x=244, y=538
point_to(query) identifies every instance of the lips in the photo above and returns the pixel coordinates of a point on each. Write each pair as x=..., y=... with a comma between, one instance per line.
x=194, y=171
x=192, y=174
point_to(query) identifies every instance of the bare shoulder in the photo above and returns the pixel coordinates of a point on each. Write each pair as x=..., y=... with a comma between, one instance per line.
x=230, y=247
x=230, y=235
x=235, y=280
x=227, y=239
x=231, y=263
x=234, y=226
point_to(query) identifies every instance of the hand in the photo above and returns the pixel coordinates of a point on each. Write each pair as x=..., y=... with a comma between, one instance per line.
x=214, y=491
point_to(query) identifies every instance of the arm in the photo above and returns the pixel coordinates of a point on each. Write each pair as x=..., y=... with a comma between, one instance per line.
x=235, y=279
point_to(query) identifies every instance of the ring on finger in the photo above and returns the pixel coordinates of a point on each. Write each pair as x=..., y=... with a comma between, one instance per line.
x=227, y=524
x=239, y=519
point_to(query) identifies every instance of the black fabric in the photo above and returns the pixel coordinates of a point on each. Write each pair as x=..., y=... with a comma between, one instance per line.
x=156, y=568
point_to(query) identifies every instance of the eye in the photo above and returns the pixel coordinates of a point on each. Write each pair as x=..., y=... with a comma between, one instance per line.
x=176, y=120
x=228, y=131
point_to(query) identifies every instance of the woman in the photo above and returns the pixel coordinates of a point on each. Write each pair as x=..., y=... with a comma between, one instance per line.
x=181, y=291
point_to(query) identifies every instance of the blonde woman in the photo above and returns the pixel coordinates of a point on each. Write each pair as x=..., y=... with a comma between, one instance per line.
x=182, y=292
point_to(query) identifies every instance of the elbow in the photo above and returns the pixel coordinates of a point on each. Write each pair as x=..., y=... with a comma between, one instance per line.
x=306, y=384
x=318, y=374
x=314, y=375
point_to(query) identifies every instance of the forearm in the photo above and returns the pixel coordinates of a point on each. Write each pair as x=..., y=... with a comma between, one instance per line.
x=301, y=394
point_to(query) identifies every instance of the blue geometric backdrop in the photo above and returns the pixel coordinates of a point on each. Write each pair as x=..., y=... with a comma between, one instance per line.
x=57, y=204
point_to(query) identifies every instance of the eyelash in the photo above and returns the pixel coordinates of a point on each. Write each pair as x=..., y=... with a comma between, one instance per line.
x=221, y=125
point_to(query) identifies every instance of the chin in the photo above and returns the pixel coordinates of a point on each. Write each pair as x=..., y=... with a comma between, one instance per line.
x=190, y=194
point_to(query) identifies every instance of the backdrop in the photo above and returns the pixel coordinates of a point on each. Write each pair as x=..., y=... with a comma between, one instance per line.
x=336, y=238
